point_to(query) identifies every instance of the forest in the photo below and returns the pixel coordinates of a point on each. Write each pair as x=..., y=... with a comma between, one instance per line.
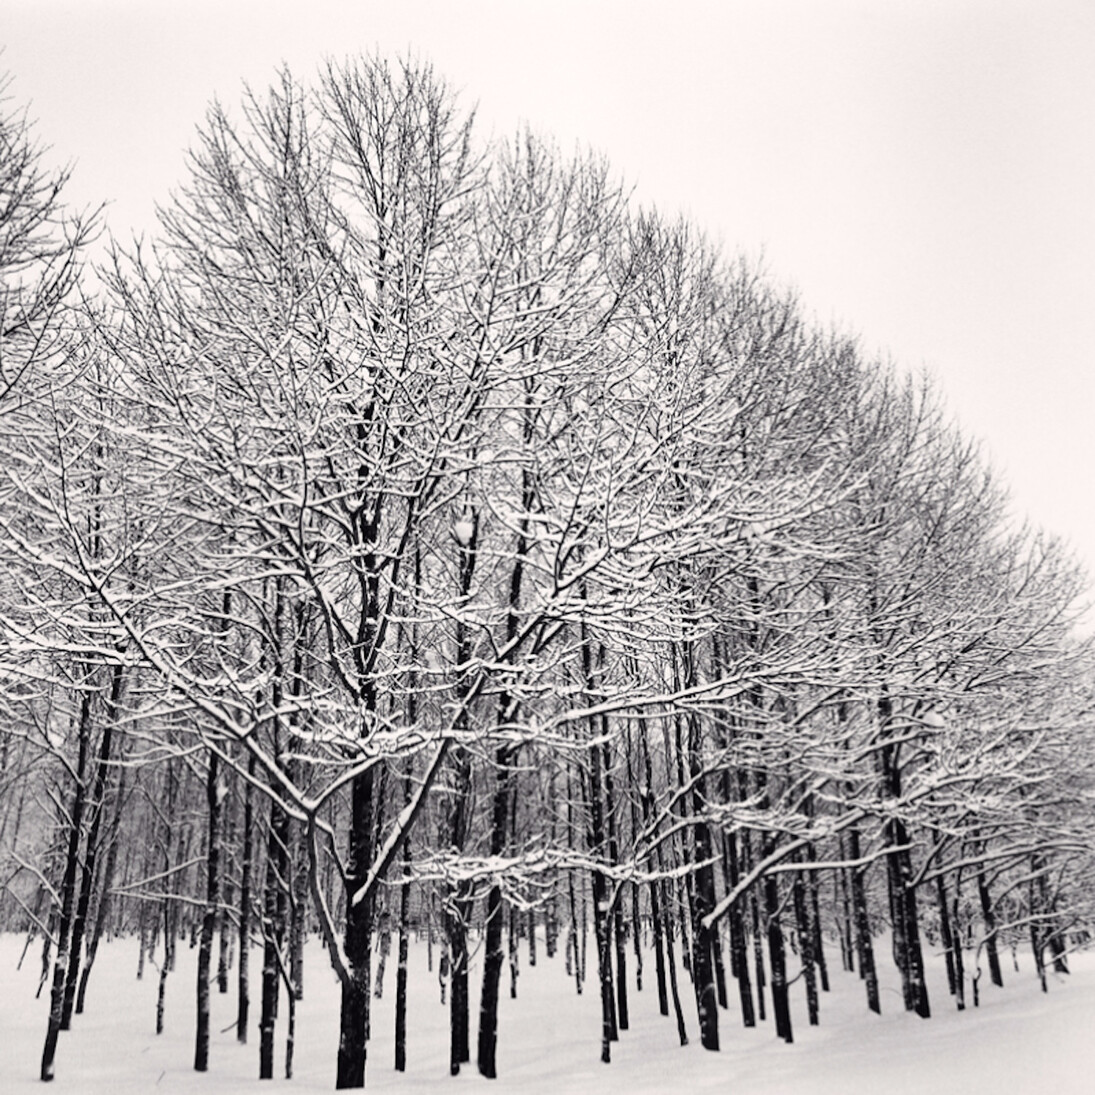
x=414, y=540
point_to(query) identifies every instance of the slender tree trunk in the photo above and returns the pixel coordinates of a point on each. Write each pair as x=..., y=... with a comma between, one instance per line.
x=739, y=957
x=843, y=895
x=703, y=894
x=358, y=940
x=657, y=919
x=68, y=893
x=813, y=915
x=457, y=917
x=601, y=912
x=952, y=945
x=619, y=925
x=273, y=935
x=223, y=927
x=459, y=904
x=298, y=908
x=703, y=973
x=401, y=969
x=104, y=893
x=87, y=882
x=758, y=951
x=777, y=959
x=864, y=945
x=906, y=926
x=493, y=952
x=209, y=919
x=165, y=968
x=243, y=987
x=806, y=947
x=514, y=937
x=989, y=917
x=671, y=962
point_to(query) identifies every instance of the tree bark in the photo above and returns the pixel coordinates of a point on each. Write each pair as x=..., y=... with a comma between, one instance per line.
x=209, y=919
x=243, y=988
x=68, y=893
x=989, y=917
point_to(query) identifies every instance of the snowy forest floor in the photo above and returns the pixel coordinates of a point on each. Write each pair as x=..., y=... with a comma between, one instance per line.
x=1018, y=1041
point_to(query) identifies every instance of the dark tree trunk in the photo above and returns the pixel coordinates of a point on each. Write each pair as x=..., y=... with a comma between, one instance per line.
x=671, y=962
x=905, y=921
x=401, y=977
x=739, y=958
x=298, y=907
x=404, y=916
x=459, y=905
x=806, y=941
x=601, y=911
x=161, y=990
x=493, y=952
x=223, y=927
x=989, y=916
x=209, y=919
x=273, y=935
x=574, y=958
x=703, y=890
x=68, y=893
x=514, y=937
x=813, y=914
x=906, y=926
x=864, y=945
x=758, y=952
x=843, y=895
x=952, y=943
x=358, y=942
x=243, y=987
x=703, y=972
x=104, y=894
x=87, y=882
x=777, y=959
x=659, y=949
x=457, y=917
x=946, y=937
x=657, y=919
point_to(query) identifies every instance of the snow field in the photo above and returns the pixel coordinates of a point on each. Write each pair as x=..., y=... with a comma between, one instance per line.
x=1019, y=1042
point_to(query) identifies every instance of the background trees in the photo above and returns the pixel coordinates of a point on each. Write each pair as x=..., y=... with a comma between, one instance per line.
x=414, y=511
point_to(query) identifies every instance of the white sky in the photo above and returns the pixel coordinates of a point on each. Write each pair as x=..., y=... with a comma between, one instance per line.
x=922, y=170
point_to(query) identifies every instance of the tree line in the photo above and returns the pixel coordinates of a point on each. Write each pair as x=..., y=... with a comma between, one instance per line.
x=416, y=536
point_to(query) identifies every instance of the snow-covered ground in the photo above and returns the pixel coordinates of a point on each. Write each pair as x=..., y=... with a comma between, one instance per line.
x=1019, y=1041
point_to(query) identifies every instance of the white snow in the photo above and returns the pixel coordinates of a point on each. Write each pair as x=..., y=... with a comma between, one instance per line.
x=464, y=529
x=1019, y=1041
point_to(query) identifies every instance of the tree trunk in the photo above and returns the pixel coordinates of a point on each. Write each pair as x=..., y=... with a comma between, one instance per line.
x=493, y=952
x=273, y=934
x=243, y=971
x=905, y=921
x=739, y=957
x=401, y=968
x=864, y=945
x=104, y=893
x=68, y=893
x=358, y=943
x=777, y=960
x=813, y=915
x=806, y=947
x=87, y=882
x=989, y=916
x=224, y=949
x=209, y=919
x=671, y=962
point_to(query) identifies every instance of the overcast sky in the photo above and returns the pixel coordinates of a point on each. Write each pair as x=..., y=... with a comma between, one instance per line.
x=923, y=172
